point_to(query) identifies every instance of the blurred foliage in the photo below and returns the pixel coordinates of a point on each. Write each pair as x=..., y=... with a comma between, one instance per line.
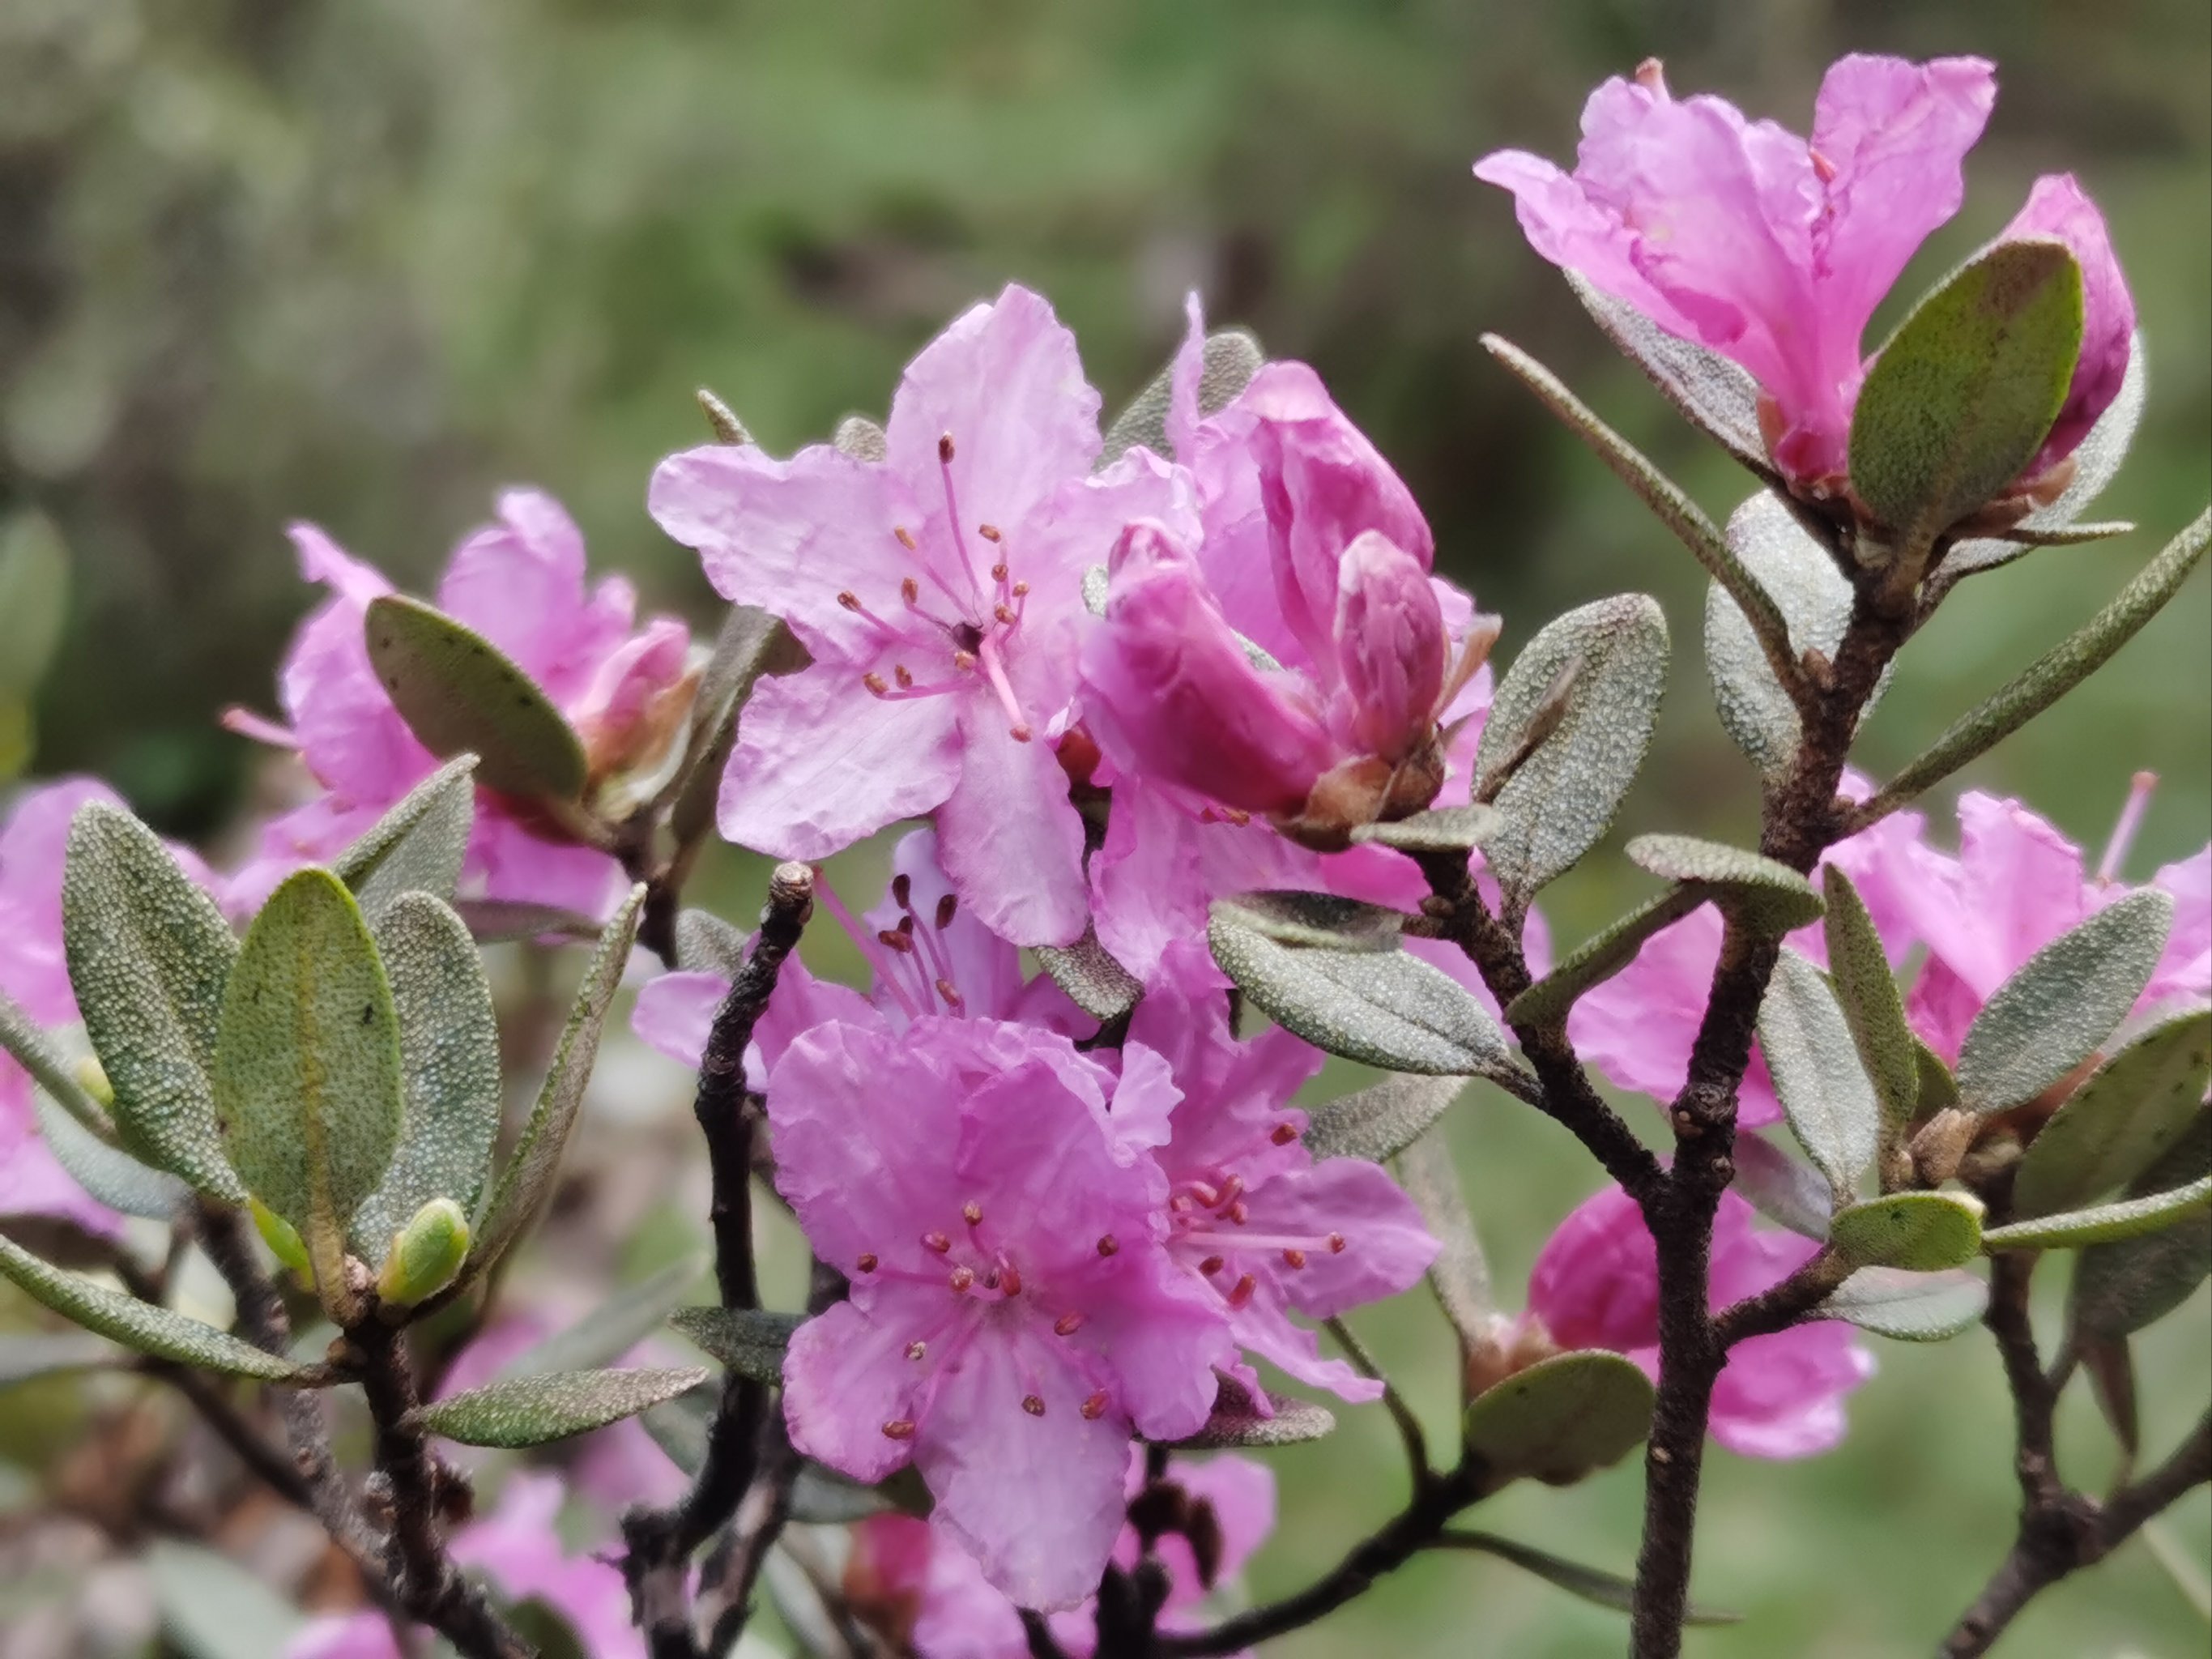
x=269, y=259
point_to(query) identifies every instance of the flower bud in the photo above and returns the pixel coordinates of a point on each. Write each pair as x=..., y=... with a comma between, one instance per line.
x=425, y=1254
x=2057, y=209
x=92, y=1077
x=283, y=1239
x=1390, y=646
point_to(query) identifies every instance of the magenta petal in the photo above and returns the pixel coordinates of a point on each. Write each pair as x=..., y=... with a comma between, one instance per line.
x=1386, y=1247
x=1009, y=838
x=1595, y=1283
x=519, y=582
x=2058, y=207
x=1389, y=646
x=846, y=1375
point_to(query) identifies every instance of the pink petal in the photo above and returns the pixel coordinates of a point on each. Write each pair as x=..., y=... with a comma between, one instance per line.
x=2058, y=207
x=1183, y=377
x=674, y=1013
x=1595, y=1283
x=1386, y=1247
x=1389, y=646
x=519, y=582
x=1010, y=838
x=846, y=1375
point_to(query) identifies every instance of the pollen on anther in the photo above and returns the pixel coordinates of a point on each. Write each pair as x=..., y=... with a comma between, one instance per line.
x=1294, y=1258
x=899, y=1428
x=972, y=1213
x=1067, y=1324
x=917, y=1350
x=1212, y=1265
x=874, y=682
x=1336, y=1243
x=944, y=448
x=951, y=992
x=1108, y=1244
x=1005, y=613
x=1021, y=590
x=905, y=536
x=910, y=589
x=936, y=1242
x=1284, y=1134
x=1095, y=1407
x=903, y=675
x=849, y=599
x=1022, y=733
x=867, y=1264
x=1033, y=1404
x=964, y=661
x=989, y=532
x=999, y=571
x=1241, y=1293
x=963, y=1280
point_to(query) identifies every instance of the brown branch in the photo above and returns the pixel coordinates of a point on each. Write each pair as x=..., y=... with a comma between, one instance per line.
x=660, y=1543
x=1783, y=1305
x=270, y=1464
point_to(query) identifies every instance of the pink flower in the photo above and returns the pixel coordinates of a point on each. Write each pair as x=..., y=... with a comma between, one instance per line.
x=2015, y=885
x=928, y=955
x=1596, y=1285
x=518, y=1549
x=919, y=1589
x=1638, y=1027
x=1742, y=237
x=519, y=582
x=34, y=847
x=939, y=593
x=1014, y=1312
x=1251, y=1216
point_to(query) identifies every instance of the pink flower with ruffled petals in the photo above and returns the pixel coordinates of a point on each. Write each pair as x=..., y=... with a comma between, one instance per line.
x=34, y=847
x=1251, y=1216
x=929, y=954
x=917, y=1587
x=518, y=1549
x=1638, y=1027
x=520, y=583
x=2015, y=885
x=941, y=593
x=1596, y=1285
x=1014, y=1313
x=1775, y=250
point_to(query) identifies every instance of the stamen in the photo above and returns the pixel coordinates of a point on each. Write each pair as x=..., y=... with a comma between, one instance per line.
x=1010, y=1281
x=1095, y=1407
x=995, y=670
x=972, y=1213
x=885, y=970
x=892, y=939
x=936, y=1242
x=917, y=1350
x=1231, y=1189
x=910, y=589
x=1208, y=1196
x=899, y=1428
x=1294, y=1258
x=951, y=995
x=945, y=449
x=952, y=515
x=1243, y=1293
x=989, y=532
x=1284, y=1134
x=905, y=536
x=1212, y=1265
x=963, y=1280
x=947, y=907
x=964, y=661
x=2124, y=833
x=1005, y=613
x=999, y=571
x=903, y=675
x=1238, y=1214
x=1108, y=1244
x=1823, y=168
x=1336, y=1243
x=874, y=682
x=867, y=1263
x=1067, y=1324
x=902, y=892
x=1033, y=1405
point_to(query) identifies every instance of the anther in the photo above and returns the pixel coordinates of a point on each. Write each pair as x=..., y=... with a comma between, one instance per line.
x=874, y=682
x=964, y=661
x=1211, y=1266
x=1108, y=1244
x=1067, y=1324
x=963, y=1280
x=1206, y=1194
x=972, y=1213
x=899, y=1428
x=867, y=1264
x=1021, y=733
x=910, y=589
x=892, y=939
x=951, y=992
x=1033, y=1404
x=989, y=532
x=849, y=599
x=1284, y=1134
x=945, y=449
x=1294, y=1258
x=1010, y=1281
x=1095, y=1407
x=903, y=675
x=936, y=1242
x=1021, y=590
x=999, y=571
x=905, y=536
x=991, y=1279
x=947, y=907
x=1230, y=1189
x=1238, y=1214
x=1336, y=1243
x=1243, y=1292
x=1005, y=613
x=917, y=1350
x=902, y=892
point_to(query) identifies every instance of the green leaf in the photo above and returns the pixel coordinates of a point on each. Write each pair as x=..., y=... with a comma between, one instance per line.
x=1763, y=892
x=821, y=1497
x=2114, y=1127
x=143, y=1327
x=1460, y=1276
x=1599, y=957
x=34, y=600
x=419, y=845
x=1322, y=921
x=2122, y=1288
x=2102, y=1224
x=1920, y=1233
x=1783, y=1189
x=546, y=1629
x=1379, y=1121
x=1858, y=968
x=527, y=1182
x=213, y=1609
x=309, y=1089
x=1962, y=397
x=1231, y=358
x=1383, y=1007
x=862, y=439
x=1093, y=980
x=1800, y=581
x=1559, y=1419
x=38, y=1054
x=680, y=1427
x=425, y=1255
x=106, y=1171
x=510, y=921
x=449, y=1066
x=1939, y=1090
x=1439, y=830
x=1717, y=397
x=1824, y=1094
x=2057, y=672
x=1591, y=1584
x=612, y=1329
x=458, y=692
x=533, y=1411
x=148, y=953
x=1909, y=1307
x=2050, y=1017
x=750, y=1341
x=1237, y=1421
x=1562, y=797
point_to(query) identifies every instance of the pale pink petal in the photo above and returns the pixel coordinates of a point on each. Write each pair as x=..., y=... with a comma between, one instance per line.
x=674, y=1013
x=519, y=582
x=1009, y=838
x=2186, y=968
x=846, y=1375
x=1183, y=377
x=1386, y=1247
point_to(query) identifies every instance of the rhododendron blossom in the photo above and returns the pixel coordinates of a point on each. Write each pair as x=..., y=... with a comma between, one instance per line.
x=519, y=583
x=939, y=591
x=1596, y=1285
x=1775, y=250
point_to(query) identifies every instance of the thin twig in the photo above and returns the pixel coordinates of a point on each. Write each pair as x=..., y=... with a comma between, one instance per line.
x=268, y=1463
x=1409, y=1426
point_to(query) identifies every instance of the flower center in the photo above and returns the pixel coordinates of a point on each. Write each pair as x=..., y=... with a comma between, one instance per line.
x=1209, y=1224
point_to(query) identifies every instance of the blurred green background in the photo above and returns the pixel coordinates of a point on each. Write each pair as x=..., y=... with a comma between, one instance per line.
x=362, y=264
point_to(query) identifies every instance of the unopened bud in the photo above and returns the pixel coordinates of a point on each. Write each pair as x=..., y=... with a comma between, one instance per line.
x=1942, y=1142
x=425, y=1254
x=92, y=1078
x=283, y=1239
